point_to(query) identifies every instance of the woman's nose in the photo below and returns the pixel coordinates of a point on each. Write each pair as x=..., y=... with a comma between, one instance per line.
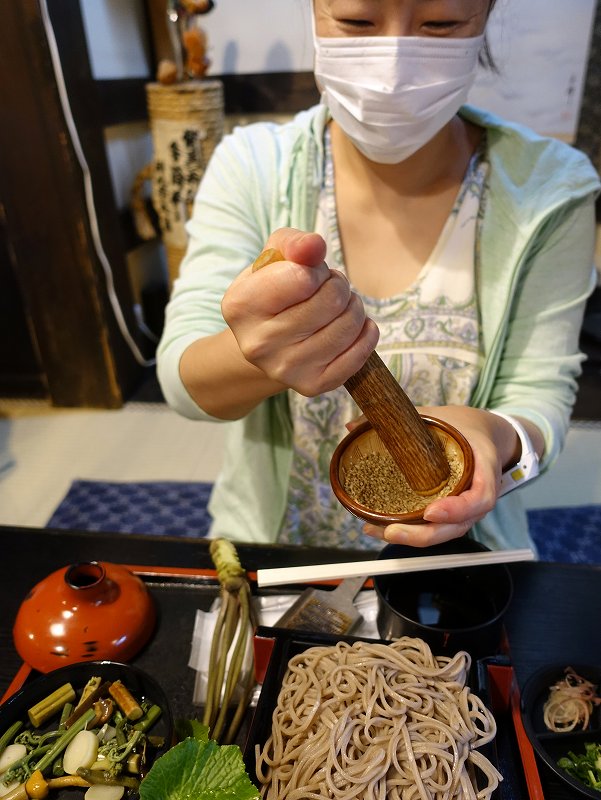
x=401, y=23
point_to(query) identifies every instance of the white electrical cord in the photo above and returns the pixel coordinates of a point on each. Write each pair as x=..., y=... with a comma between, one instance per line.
x=88, y=189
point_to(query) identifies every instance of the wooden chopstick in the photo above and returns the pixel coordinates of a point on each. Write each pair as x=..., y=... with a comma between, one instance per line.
x=386, y=566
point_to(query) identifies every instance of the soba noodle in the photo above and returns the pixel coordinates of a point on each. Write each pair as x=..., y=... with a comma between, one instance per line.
x=377, y=722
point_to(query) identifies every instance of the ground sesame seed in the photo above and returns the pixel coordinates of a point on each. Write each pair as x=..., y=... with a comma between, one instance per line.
x=375, y=481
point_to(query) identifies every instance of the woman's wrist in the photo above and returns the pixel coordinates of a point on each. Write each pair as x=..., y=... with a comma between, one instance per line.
x=523, y=464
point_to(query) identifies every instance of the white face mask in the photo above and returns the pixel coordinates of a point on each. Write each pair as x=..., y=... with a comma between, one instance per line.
x=392, y=94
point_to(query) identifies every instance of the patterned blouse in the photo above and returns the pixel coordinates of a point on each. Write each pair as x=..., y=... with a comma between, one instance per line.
x=429, y=339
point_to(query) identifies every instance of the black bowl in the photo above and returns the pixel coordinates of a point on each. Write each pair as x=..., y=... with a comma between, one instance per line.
x=550, y=746
x=139, y=683
x=460, y=608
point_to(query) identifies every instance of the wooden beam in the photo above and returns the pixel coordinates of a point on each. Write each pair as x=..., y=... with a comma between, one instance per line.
x=270, y=92
x=124, y=100
x=121, y=100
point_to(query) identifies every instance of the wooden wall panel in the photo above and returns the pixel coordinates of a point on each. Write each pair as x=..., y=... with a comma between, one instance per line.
x=83, y=355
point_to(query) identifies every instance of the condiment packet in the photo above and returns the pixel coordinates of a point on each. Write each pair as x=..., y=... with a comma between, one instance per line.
x=268, y=610
x=366, y=604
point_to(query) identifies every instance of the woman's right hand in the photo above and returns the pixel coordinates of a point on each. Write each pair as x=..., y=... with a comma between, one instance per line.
x=297, y=320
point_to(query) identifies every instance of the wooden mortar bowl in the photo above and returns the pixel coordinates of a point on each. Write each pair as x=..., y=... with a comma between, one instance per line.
x=363, y=440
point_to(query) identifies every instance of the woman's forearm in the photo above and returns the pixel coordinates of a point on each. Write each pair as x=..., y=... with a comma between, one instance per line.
x=220, y=380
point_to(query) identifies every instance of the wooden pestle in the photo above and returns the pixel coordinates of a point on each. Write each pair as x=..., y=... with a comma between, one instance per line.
x=416, y=451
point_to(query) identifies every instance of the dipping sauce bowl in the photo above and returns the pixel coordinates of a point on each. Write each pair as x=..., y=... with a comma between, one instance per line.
x=459, y=608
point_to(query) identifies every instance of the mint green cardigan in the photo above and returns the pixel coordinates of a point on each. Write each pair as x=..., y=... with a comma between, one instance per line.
x=536, y=255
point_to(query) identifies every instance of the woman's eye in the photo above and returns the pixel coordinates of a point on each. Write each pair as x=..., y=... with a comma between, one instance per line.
x=356, y=23
x=440, y=25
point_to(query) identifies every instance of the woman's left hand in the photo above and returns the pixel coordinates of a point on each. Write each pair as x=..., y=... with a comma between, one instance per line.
x=493, y=441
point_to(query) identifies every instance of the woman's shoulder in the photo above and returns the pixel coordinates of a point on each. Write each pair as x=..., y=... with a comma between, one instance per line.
x=526, y=155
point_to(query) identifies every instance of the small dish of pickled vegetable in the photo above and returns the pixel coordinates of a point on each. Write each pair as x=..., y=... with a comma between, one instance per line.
x=561, y=711
x=90, y=730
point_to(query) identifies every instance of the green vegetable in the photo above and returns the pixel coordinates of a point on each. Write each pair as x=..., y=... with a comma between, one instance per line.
x=47, y=752
x=120, y=752
x=46, y=708
x=9, y=735
x=107, y=778
x=65, y=714
x=199, y=770
x=61, y=743
x=585, y=767
x=35, y=740
x=148, y=720
x=20, y=770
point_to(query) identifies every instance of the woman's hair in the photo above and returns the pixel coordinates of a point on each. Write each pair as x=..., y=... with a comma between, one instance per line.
x=486, y=57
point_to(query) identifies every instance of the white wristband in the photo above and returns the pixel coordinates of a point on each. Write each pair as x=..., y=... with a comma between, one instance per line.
x=527, y=465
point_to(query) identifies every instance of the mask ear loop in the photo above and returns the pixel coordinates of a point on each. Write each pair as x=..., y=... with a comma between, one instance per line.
x=313, y=23
x=322, y=97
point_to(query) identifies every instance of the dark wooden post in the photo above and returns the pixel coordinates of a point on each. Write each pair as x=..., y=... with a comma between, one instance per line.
x=83, y=355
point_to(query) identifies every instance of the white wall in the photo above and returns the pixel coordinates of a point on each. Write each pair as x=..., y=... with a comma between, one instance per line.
x=541, y=47
x=129, y=149
x=117, y=49
x=575, y=479
x=116, y=46
x=259, y=36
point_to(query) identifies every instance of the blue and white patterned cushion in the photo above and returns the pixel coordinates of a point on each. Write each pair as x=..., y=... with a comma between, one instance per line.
x=167, y=508
x=178, y=508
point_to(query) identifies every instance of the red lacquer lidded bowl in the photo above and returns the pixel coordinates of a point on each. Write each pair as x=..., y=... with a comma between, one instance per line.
x=84, y=612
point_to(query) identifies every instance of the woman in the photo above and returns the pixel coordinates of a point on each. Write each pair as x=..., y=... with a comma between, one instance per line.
x=459, y=244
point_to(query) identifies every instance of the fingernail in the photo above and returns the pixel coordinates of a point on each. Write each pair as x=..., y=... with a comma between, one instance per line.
x=375, y=531
x=436, y=515
x=394, y=535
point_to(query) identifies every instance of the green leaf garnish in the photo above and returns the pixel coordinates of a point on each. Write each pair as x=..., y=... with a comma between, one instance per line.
x=585, y=767
x=191, y=729
x=199, y=770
